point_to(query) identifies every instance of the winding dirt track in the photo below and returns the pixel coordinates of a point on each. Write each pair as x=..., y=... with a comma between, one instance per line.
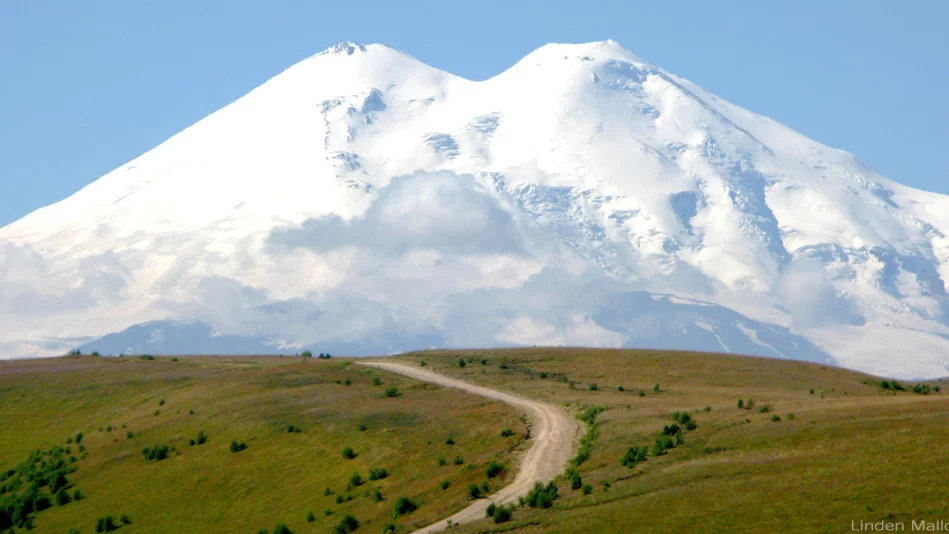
x=552, y=432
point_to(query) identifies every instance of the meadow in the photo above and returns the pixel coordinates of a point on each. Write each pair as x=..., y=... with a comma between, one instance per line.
x=291, y=421
x=819, y=446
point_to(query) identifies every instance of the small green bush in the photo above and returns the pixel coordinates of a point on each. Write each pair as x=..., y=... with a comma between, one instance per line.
x=594, y=387
x=450, y=441
x=461, y=362
x=543, y=374
x=444, y=484
x=282, y=529
x=306, y=354
x=403, y=506
x=506, y=433
x=392, y=392
x=377, y=496
x=125, y=520
x=378, y=473
x=587, y=489
x=494, y=469
x=502, y=514
x=541, y=496
x=349, y=453
x=356, y=480
x=157, y=453
x=489, y=511
x=458, y=460
x=633, y=456
x=776, y=418
x=765, y=409
x=106, y=524
x=474, y=491
x=237, y=446
x=377, y=381
x=310, y=517
x=620, y=389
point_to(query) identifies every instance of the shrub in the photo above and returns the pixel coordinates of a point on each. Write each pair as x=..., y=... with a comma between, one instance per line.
x=310, y=517
x=922, y=389
x=594, y=387
x=587, y=489
x=306, y=354
x=348, y=382
x=633, y=456
x=458, y=460
x=679, y=438
x=125, y=520
x=494, y=469
x=936, y=389
x=461, y=362
x=489, y=511
x=237, y=446
x=670, y=430
x=62, y=497
x=79, y=437
x=147, y=357
x=161, y=402
x=106, y=524
x=506, y=433
x=403, y=506
x=765, y=409
x=377, y=381
x=790, y=417
x=543, y=374
x=356, y=480
x=157, y=412
x=174, y=359
x=750, y=404
x=422, y=363
x=474, y=492
x=346, y=525
x=502, y=514
x=378, y=473
x=349, y=453
x=741, y=403
x=541, y=496
x=775, y=418
x=441, y=461
x=340, y=499
x=662, y=444
x=77, y=495
x=642, y=393
x=656, y=388
x=392, y=392
x=327, y=512
x=202, y=438
x=503, y=365
x=363, y=427
x=294, y=429
x=620, y=389
x=377, y=496
x=157, y=453
x=282, y=529
x=444, y=484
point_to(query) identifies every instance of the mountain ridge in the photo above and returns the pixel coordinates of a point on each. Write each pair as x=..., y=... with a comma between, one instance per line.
x=326, y=190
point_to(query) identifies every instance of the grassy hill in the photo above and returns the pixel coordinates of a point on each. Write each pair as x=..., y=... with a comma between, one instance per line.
x=818, y=448
x=122, y=406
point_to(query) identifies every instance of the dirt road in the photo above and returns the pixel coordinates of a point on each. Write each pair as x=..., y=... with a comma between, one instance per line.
x=552, y=434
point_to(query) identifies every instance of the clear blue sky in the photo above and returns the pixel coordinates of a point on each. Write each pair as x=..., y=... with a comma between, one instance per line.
x=87, y=86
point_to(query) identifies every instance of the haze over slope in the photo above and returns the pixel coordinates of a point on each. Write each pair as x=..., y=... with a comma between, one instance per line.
x=364, y=202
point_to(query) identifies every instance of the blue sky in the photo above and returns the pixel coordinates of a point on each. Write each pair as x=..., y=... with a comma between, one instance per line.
x=87, y=86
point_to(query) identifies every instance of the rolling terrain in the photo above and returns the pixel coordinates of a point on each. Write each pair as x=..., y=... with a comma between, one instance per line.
x=812, y=447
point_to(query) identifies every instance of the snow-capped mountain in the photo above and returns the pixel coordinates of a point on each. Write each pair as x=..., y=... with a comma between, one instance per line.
x=364, y=201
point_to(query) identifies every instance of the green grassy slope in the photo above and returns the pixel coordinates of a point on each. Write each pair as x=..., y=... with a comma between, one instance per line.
x=851, y=451
x=281, y=476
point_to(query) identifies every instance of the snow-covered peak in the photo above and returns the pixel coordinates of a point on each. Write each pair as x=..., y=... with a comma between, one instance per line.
x=363, y=198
